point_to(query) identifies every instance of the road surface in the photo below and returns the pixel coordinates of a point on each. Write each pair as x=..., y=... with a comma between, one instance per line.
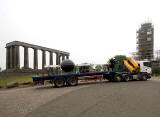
x=125, y=99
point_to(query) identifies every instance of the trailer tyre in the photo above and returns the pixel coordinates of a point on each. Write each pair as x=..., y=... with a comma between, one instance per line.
x=72, y=81
x=117, y=78
x=59, y=82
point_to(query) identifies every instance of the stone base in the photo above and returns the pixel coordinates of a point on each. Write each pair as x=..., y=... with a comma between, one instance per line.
x=24, y=70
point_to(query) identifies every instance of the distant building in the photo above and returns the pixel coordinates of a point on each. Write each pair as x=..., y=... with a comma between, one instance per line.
x=145, y=42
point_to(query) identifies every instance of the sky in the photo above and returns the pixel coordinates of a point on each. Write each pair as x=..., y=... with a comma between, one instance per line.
x=91, y=31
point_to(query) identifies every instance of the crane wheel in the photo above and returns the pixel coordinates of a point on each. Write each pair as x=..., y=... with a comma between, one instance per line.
x=117, y=78
x=59, y=82
x=143, y=78
x=126, y=78
x=72, y=81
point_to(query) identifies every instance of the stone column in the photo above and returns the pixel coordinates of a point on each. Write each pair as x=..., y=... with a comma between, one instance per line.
x=17, y=57
x=14, y=56
x=10, y=58
x=51, y=58
x=67, y=56
x=7, y=57
x=35, y=59
x=26, y=58
x=43, y=59
x=63, y=57
x=57, y=58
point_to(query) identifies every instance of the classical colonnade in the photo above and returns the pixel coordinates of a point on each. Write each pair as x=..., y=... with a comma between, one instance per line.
x=13, y=55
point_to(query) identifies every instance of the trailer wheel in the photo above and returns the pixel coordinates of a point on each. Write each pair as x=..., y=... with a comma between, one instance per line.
x=72, y=81
x=117, y=78
x=126, y=78
x=59, y=82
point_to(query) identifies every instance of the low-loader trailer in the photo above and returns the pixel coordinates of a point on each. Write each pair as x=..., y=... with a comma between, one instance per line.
x=137, y=70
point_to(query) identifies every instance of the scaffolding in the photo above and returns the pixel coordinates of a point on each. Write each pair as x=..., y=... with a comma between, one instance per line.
x=145, y=38
x=155, y=60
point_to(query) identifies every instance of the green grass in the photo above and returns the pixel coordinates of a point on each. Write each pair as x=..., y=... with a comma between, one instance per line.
x=19, y=79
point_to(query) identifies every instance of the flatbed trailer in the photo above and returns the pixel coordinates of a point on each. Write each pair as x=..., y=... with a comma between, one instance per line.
x=72, y=79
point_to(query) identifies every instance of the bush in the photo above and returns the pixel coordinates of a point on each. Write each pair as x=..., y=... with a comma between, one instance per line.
x=119, y=62
x=156, y=71
x=98, y=68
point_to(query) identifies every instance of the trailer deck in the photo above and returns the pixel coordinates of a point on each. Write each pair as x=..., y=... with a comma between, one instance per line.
x=61, y=80
x=70, y=79
x=75, y=75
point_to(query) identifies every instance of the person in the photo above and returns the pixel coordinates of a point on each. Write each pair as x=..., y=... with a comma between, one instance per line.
x=120, y=67
x=112, y=63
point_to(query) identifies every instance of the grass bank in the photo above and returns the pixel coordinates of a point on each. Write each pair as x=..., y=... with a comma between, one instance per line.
x=19, y=79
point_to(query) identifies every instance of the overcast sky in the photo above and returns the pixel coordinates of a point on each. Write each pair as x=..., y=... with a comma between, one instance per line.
x=91, y=30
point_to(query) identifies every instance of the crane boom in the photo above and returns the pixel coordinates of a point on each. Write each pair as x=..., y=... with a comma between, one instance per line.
x=131, y=64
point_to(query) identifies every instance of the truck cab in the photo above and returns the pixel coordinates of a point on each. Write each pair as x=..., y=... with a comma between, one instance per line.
x=145, y=66
x=135, y=70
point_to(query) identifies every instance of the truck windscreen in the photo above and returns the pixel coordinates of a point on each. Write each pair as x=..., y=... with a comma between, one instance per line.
x=147, y=64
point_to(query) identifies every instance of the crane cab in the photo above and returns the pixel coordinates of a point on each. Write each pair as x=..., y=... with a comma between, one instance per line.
x=145, y=67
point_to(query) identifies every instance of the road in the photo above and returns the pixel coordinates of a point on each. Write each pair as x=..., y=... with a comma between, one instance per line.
x=125, y=99
x=131, y=99
x=19, y=102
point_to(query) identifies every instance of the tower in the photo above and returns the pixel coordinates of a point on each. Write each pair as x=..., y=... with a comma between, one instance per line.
x=145, y=41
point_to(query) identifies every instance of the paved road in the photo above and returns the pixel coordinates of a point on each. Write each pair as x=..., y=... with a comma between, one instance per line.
x=131, y=99
x=19, y=102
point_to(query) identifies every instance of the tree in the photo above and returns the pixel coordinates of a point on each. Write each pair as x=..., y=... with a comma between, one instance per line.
x=98, y=68
x=119, y=61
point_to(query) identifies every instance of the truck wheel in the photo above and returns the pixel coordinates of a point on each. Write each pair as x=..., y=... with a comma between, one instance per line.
x=72, y=81
x=59, y=82
x=110, y=80
x=126, y=78
x=117, y=78
x=143, y=78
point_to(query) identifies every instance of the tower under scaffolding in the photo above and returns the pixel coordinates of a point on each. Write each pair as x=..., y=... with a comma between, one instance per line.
x=145, y=42
x=155, y=61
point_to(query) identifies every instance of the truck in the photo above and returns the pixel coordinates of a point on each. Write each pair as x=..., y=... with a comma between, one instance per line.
x=134, y=70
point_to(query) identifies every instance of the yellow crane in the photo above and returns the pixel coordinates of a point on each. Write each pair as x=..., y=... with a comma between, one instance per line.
x=131, y=64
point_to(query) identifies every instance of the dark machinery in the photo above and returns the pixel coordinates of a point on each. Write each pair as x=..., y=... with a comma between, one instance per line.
x=67, y=65
x=71, y=79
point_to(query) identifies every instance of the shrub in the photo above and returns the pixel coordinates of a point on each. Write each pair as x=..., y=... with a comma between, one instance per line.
x=156, y=71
